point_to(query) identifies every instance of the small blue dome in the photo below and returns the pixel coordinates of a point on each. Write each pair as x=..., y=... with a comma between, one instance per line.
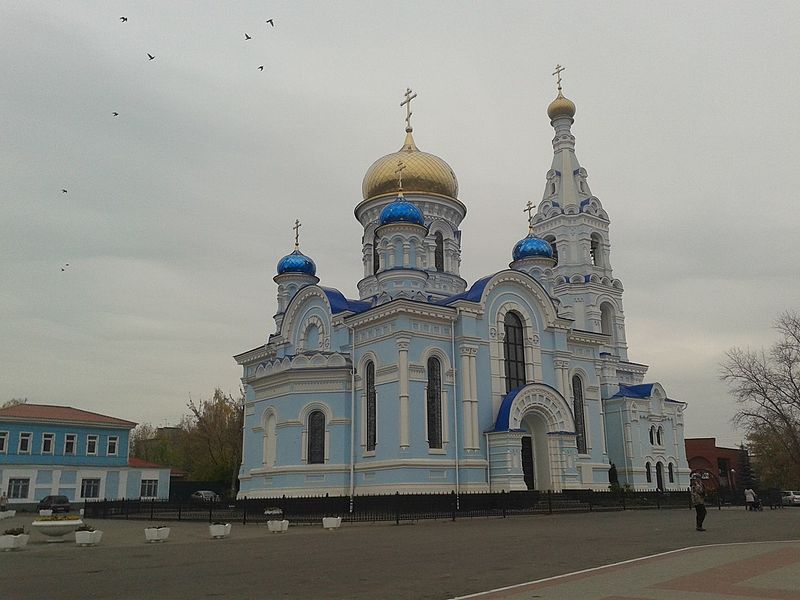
x=296, y=262
x=531, y=246
x=401, y=211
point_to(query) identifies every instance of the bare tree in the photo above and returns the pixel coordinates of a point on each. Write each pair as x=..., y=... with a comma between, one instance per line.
x=766, y=385
x=14, y=402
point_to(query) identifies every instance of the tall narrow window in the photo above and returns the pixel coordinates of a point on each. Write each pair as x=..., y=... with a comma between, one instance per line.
x=647, y=472
x=316, y=438
x=91, y=445
x=48, y=440
x=270, y=440
x=652, y=430
x=3, y=442
x=552, y=241
x=376, y=256
x=514, y=352
x=25, y=441
x=69, y=444
x=606, y=319
x=595, y=250
x=371, y=401
x=434, y=403
x=577, y=406
x=658, y=435
x=111, y=447
x=671, y=473
x=438, y=255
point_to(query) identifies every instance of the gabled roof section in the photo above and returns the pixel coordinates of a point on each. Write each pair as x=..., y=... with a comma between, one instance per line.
x=641, y=391
x=48, y=413
x=341, y=304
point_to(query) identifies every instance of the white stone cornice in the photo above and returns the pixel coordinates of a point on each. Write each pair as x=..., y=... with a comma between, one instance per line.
x=402, y=307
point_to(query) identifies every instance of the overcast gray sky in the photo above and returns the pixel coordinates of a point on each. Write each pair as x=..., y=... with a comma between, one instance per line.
x=688, y=118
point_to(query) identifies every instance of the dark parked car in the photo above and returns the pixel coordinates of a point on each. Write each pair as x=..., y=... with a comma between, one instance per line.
x=204, y=496
x=54, y=503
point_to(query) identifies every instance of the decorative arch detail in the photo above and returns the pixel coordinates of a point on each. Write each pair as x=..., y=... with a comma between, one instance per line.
x=536, y=398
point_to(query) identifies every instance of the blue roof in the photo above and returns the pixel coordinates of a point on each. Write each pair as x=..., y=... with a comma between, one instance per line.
x=531, y=246
x=341, y=304
x=501, y=423
x=296, y=262
x=401, y=211
x=473, y=294
x=643, y=390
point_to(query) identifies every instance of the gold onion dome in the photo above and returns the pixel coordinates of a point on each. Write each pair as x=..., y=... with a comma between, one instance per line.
x=424, y=173
x=561, y=107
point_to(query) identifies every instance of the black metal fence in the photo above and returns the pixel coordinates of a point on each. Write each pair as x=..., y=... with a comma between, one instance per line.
x=397, y=507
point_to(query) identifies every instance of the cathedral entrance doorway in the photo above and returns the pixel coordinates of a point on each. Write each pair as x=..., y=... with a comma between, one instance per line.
x=535, y=453
x=527, y=461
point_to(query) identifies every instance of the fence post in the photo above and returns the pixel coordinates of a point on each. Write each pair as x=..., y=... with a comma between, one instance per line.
x=453, y=501
x=503, y=502
x=244, y=511
x=622, y=493
x=397, y=508
x=211, y=511
x=180, y=506
x=658, y=500
x=549, y=502
x=152, y=504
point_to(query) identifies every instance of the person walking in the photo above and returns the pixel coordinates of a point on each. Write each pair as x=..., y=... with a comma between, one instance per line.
x=750, y=499
x=3, y=502
x=698, y=492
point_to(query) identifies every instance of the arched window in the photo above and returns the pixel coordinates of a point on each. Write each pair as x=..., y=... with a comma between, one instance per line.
x=606, y=319
x=659, y=476
x=647, y=472
x=312, y=338
x=316, y=438
x=658, y=435
x=434, y=403
x=438, y=255
x=595, y=250
x=514, y=351
x=577, y=406
x=376, y=256
x=652, y=430
x=671, y=473
x=371, y=401
x=270, y=440
x=552, y=241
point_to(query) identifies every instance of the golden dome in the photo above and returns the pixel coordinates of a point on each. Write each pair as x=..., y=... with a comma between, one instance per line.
x=561, y=107
x=423, y=173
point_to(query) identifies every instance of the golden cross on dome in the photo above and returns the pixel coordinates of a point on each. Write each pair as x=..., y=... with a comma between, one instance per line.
x=557, y=72
x=407, y=104
x=529, y=209
x=399, y=170
x=296, y=228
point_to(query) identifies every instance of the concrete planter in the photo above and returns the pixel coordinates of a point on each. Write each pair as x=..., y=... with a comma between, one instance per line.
x=278, y=526
x=7, y=514
x=88, y=538
x=46, y=512
x=54, y=530
x=219, y=530
x=156, y=534
x=13, y=542
x=331, y=522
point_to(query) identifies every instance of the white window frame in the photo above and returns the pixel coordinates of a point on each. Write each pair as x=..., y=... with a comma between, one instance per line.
x=28, y=436
x=3, y=442
x=89, y=439
x=71, y=437
x=148, y=482
x=82, y=488
x=16, y=497
x=115, y=440
x=51, y=437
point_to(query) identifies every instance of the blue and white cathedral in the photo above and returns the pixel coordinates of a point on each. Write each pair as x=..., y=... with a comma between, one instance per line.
x=425, y=383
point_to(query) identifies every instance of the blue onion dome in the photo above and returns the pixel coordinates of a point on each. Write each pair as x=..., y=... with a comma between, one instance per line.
x=401, y=211
x=296, y=262
x=532, y=246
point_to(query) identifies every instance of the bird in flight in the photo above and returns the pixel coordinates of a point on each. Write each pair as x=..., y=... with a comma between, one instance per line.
x=150, y=56
x=63, y=191
x=64, y=268
x=124, y=19
x=247, y=37
x=115, y=113
x=261, y=68
x=270, y=22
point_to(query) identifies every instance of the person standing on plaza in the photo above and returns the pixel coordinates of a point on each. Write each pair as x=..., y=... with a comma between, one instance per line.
x=750, y=499
x=3, y=501
x=698, y=492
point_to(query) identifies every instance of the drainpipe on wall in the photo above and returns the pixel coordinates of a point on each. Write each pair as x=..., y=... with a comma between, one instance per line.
x=352, y=414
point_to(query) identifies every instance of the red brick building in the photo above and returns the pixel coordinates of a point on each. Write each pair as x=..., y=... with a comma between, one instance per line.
x=717, y=466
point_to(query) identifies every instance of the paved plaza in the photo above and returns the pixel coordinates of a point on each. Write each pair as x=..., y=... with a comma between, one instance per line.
x=655, y=555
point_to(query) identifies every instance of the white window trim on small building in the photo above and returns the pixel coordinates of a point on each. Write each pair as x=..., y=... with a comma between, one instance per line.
x=70, y=438
x=148, y=489
x=91, y=444
x=27, y=437
x=13, y=493
x=3, y=442
x=48, y=443
x=83, y=489
x=113, y=440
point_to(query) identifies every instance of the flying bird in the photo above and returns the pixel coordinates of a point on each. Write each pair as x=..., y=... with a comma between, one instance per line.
x=270, y=22
x=261, y=68
x=124, y=19
x=150, y=56
x=116, y=114
x=63, y=191
x=247, y=37
x=64, y=268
